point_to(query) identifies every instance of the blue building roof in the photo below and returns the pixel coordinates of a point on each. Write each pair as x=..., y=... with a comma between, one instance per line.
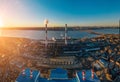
x=57, y=80
x=87, y=76
x=26, y=77
x=58, y=73
x=43, y=80
x=64, y=80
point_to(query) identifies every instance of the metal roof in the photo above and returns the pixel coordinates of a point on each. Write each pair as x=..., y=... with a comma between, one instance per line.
x=26, y=76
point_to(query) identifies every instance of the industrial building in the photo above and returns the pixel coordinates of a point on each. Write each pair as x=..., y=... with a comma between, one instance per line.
x=57, y=75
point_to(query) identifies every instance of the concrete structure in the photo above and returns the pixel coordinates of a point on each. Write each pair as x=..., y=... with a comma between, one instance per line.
x=64, y=60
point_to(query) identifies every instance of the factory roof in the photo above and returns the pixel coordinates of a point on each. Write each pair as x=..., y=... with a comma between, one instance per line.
x=58, y=73
x=88, y=77
x=26, y=77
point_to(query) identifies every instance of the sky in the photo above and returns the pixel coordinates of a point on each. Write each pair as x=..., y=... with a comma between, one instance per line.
x=32, y=13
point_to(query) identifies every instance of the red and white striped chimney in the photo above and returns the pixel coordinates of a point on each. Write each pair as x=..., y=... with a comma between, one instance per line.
x=23, y=72
x=92, y=73
x=31, y=74
x=83, y=75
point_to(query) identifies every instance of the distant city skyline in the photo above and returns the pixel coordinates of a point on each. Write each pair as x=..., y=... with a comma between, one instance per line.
x=32, y=13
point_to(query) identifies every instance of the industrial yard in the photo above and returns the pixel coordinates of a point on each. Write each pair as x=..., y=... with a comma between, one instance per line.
x=101, y=53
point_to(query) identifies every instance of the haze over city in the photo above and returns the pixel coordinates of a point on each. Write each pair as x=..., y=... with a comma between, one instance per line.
x=29, y=13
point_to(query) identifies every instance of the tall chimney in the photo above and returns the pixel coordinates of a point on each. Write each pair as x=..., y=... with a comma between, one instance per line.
x=46, y=37
x=66, y=34
x=119, y=22
x=119, y=28
x=92, y=73
x=83, y=75
x=23, y=72
x=46, y=34
x=31, y=74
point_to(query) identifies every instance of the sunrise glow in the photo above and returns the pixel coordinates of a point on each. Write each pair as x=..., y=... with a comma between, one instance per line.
x=1, y=23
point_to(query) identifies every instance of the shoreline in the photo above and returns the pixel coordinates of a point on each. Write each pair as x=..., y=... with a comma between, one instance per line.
x=57, y=28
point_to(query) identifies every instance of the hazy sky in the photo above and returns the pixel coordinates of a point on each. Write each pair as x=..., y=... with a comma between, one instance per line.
x=58, y=12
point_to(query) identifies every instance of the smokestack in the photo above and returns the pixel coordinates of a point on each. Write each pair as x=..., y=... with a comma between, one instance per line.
x=66, y=34
x=92, y=73
x=119, y=23
x=46, y=34
x=23, y=72
x=46, y=38
x=83, y=75
x=119, y=27
x=31, y=74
